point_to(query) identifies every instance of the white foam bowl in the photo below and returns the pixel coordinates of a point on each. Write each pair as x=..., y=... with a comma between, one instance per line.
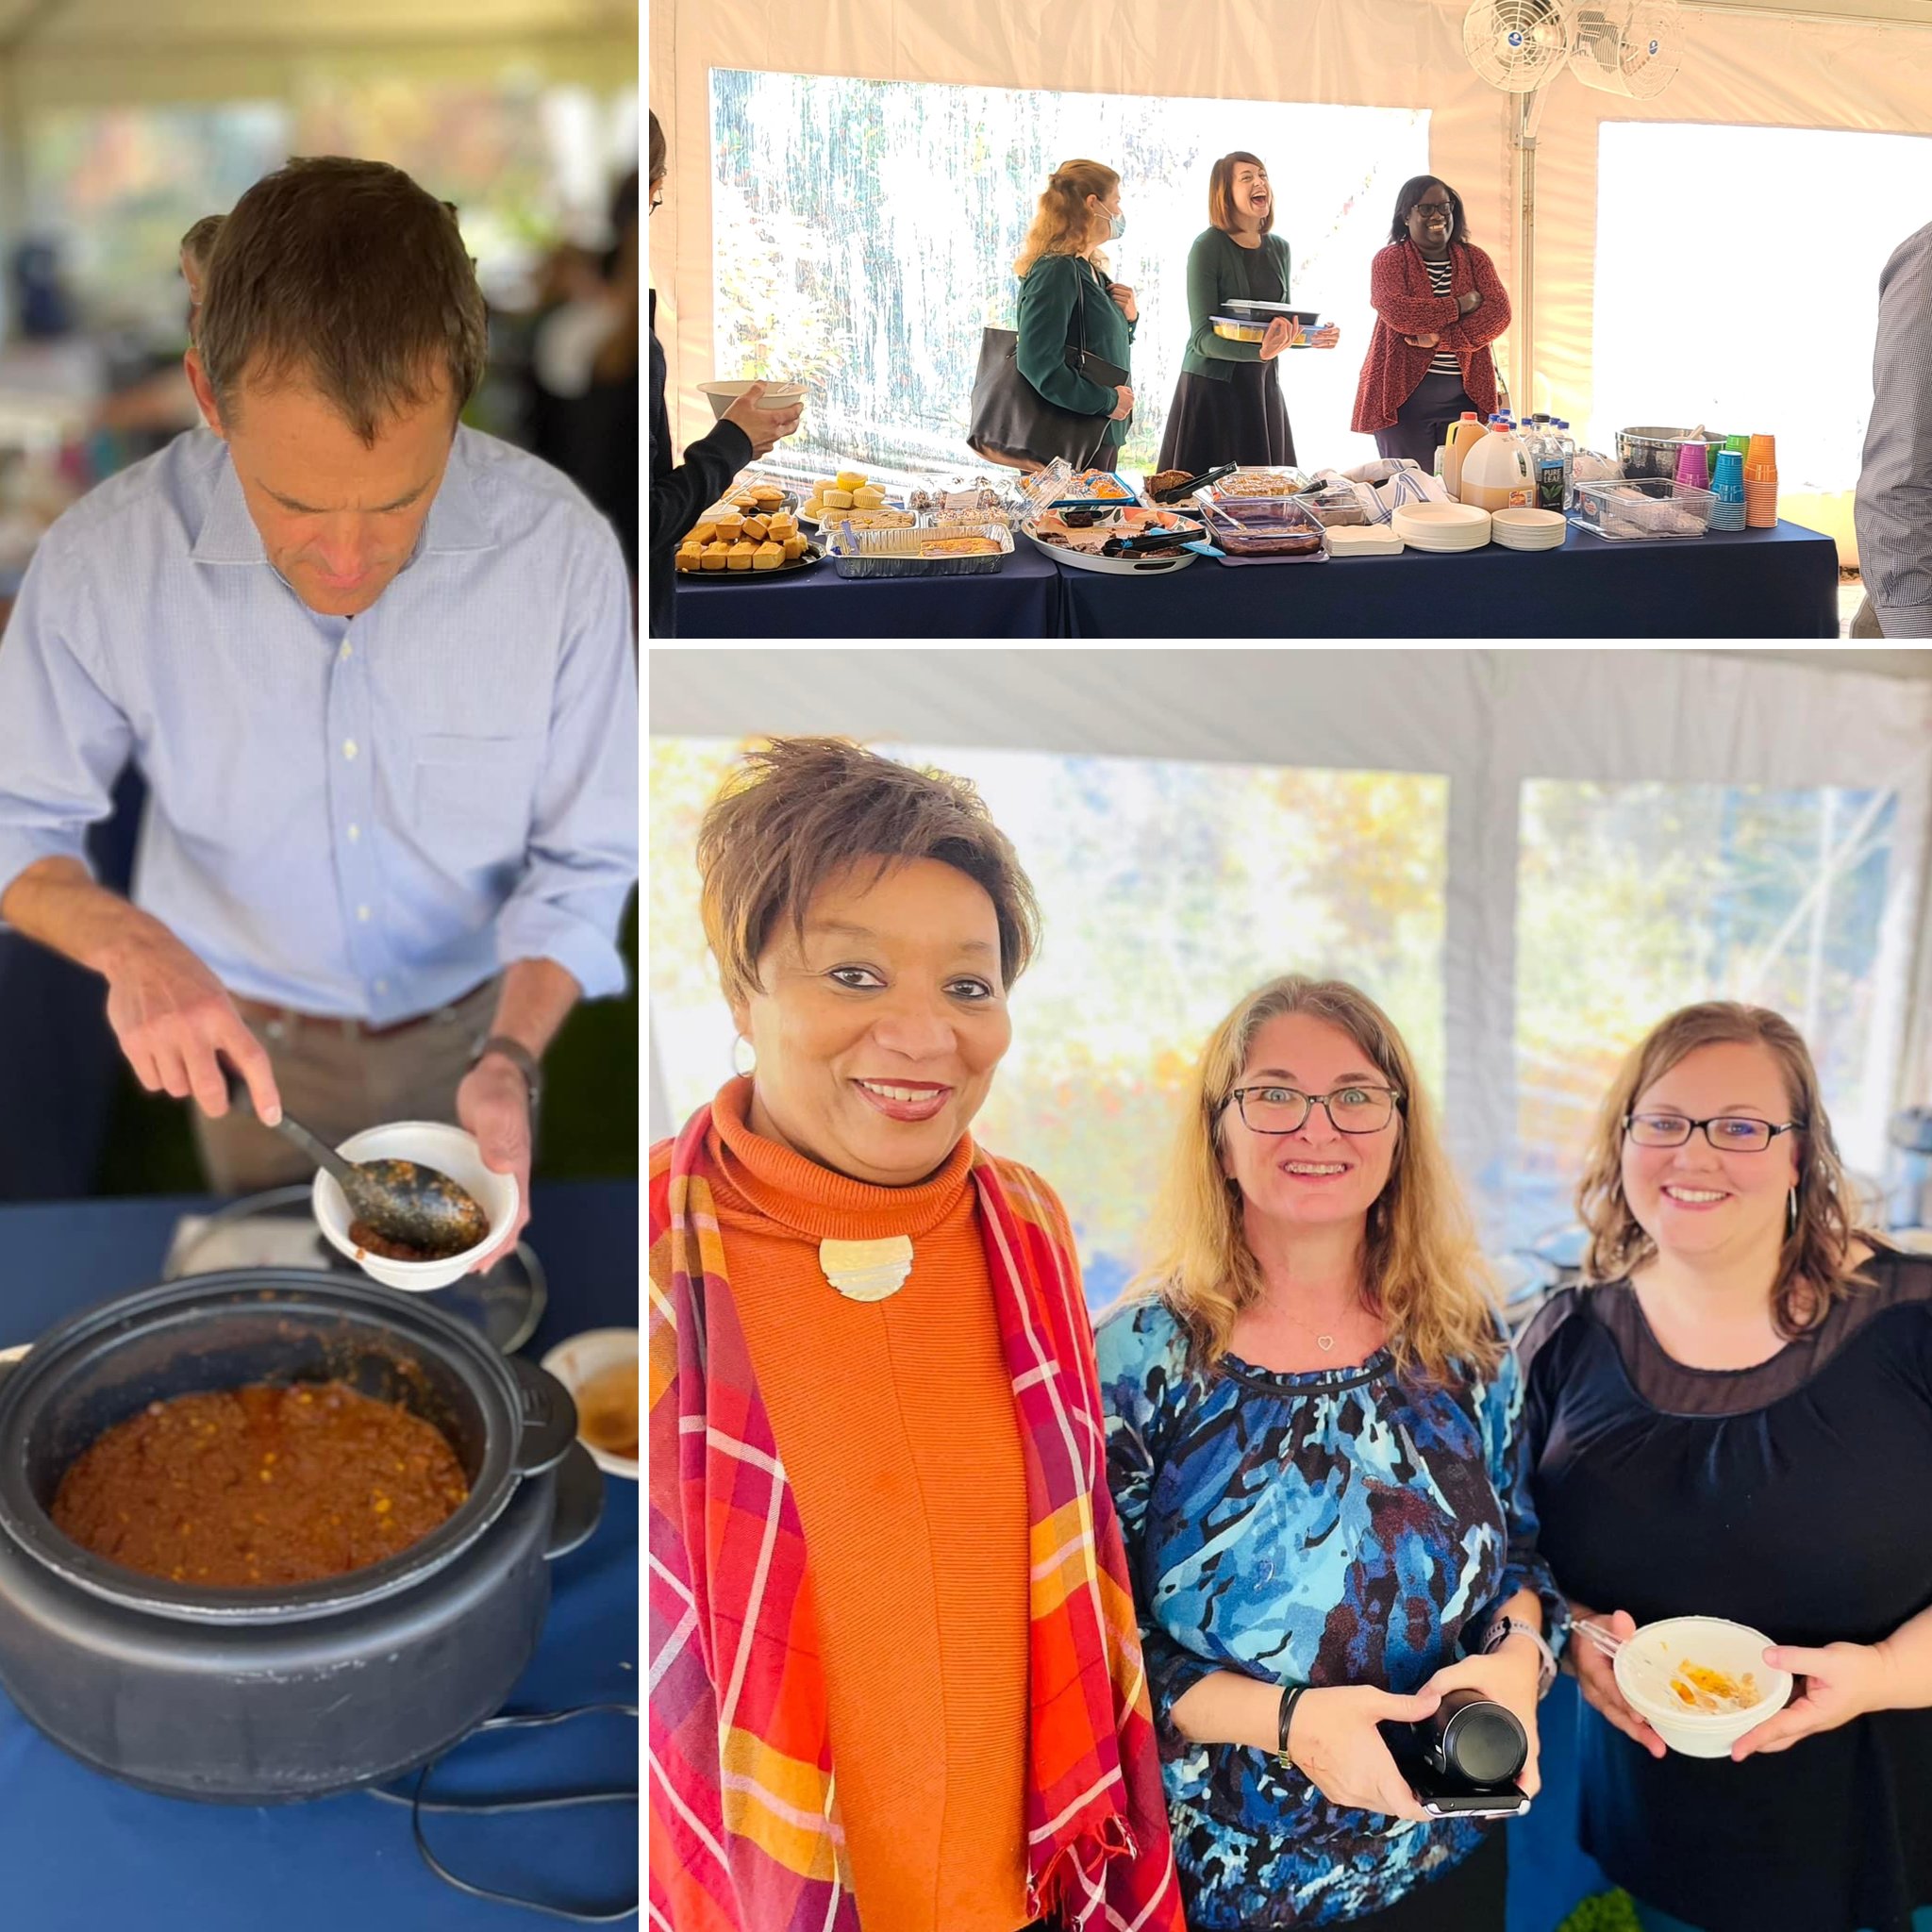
x=1644, y=1666
x=579, y=1362
x=437, y=1145
x=777, y=395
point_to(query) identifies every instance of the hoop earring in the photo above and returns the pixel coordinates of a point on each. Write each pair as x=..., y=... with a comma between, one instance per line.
x=744, y=1073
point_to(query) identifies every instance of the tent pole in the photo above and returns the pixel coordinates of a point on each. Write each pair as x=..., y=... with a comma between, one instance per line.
x=1527, y=118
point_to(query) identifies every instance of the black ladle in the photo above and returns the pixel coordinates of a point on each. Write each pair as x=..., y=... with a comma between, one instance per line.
x=402, y=1200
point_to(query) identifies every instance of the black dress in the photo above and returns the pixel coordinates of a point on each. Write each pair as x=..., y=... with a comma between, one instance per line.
x=1243, y=420
x=1795, y=1497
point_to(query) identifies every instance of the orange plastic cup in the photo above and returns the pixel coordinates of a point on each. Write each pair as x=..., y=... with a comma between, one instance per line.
x=1763, y=452
x=1761, y=503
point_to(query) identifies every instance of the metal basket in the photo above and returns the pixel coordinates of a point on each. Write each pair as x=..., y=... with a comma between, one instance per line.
x=895, y=553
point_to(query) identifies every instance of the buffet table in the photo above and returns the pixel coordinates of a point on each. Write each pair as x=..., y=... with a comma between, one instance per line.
x=79, y=1853
x=1777, y=583
x=1022, y=600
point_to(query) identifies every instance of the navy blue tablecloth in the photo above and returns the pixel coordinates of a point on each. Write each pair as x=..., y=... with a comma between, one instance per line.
x=79, y=1853
x=1777, y=583
x=1022, y=600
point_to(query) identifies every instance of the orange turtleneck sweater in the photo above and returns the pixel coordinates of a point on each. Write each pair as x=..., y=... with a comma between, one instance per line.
x=896, y=1425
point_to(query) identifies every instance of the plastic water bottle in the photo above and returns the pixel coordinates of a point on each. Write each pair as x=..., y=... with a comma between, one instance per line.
x=1551, y=474
x=1568, y=445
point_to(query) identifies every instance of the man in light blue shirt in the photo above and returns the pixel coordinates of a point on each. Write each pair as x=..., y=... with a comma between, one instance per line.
x=379, y=673
x=1893, y=510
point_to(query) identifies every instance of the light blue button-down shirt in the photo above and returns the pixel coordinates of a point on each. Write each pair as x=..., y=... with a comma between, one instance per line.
x=362, y=817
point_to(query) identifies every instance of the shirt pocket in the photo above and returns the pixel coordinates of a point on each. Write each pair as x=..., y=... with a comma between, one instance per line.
x=473, y=799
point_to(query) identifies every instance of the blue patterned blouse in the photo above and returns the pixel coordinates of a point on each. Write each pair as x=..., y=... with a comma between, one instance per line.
x=1347, y=1527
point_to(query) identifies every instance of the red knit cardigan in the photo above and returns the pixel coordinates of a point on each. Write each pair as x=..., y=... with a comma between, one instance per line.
x=1404, y=306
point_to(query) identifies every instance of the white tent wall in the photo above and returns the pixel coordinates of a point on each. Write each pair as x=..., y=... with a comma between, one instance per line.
x=1767, y=66
x=1488, y=720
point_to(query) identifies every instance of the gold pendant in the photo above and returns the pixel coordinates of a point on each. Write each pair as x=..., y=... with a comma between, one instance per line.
x=867, y=1271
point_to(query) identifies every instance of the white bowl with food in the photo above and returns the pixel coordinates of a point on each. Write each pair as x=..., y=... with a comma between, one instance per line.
x=430, y=1144
x=600, y=1369
x=777, y=395
x=1700, y=1682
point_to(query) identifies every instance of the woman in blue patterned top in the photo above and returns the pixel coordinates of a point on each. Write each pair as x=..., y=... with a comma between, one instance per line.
x=1310, y=1421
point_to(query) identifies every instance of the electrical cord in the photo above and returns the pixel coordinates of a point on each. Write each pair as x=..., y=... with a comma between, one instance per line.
x=489, y=1807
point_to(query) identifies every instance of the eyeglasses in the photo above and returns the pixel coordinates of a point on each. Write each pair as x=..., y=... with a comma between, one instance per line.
x=1446, y=209
x=1283, y=1110
x=1730, y=1133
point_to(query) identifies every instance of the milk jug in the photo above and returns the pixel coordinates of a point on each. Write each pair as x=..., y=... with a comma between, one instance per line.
x=1495, y=473
x=1461, y=439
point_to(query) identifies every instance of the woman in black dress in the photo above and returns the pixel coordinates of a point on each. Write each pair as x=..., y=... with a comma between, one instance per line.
x=1227, y=406
x=1733, y=1418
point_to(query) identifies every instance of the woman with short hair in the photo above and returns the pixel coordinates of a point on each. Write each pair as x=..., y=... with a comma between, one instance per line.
x=1732, y=1417
x=896, y=1682
x=1309, y=1416
x=1227, y=406
x=1068, y=301
x=1438, y=304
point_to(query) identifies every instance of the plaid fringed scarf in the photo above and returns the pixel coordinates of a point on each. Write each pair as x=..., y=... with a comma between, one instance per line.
x=745, y=1817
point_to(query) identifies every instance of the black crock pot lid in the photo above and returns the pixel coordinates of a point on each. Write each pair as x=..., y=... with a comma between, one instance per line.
x=550, y=1417
x=580, y=1503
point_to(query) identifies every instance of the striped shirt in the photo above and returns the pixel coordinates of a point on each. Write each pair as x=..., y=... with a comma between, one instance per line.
x=359, y=817
x=1442, y=276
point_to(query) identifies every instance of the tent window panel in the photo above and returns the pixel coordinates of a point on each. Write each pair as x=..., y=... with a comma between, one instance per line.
x=1168, y=890
x=1634, y=900
x=863, y=234
x=1667, y=252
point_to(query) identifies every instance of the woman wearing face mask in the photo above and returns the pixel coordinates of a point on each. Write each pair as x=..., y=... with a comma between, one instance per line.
x=1309, y=1417
x=1733, y=1418
x=1068, y=301
x=1438, y=304
x=1227, y=406
x=896, y=1674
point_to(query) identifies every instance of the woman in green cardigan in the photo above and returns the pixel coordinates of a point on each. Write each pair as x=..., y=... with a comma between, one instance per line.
x=1227, y=406
x=1067, y=301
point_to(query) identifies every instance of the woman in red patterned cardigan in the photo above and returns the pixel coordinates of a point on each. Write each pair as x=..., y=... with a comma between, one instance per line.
x=1438, y=304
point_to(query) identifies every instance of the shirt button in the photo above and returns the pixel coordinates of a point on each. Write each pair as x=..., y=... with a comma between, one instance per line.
x=348, y=747
x=382, y=986
x=355, y=833
x=346, y=651
x=362, y=913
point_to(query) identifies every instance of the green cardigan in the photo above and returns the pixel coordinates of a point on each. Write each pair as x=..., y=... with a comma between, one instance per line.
x=1217, y=269
x=1048, y=325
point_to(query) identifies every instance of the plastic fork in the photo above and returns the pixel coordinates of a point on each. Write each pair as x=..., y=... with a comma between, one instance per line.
x=1606, y=1641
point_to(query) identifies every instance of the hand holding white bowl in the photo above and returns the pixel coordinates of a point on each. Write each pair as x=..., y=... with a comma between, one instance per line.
x=1597, y=1678
x=1839, y=1682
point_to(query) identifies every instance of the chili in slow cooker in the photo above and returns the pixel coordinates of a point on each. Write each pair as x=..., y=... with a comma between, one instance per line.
x=261, y=1486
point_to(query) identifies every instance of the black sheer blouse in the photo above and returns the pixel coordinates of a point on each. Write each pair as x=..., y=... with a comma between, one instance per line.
x=1794, y=1496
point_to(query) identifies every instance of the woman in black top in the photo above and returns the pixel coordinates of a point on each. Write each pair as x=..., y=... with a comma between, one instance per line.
x=1227, y=406
x=681, y=493
x=1736, y=1420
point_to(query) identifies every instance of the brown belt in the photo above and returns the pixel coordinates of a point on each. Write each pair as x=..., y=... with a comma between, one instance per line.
x=285, y=1018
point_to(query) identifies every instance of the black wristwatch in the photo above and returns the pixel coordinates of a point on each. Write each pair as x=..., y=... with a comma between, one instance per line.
x=520, y=1057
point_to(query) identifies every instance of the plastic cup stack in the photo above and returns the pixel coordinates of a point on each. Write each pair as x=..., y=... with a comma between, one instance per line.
x=1728, y=513
x=1691, y=469
x=1761, y=483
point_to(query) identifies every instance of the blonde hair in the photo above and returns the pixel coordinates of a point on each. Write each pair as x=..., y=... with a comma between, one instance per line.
x=1422, y=1269
x=1065, y=224
x=1814, y=1263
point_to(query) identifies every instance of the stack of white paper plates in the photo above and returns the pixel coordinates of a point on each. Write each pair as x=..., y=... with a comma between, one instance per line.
x=1363, y=540
x=1528, y=530
x=1442, y=526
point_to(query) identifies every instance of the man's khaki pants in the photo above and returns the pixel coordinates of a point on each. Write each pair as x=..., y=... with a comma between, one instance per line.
x=337, y=1080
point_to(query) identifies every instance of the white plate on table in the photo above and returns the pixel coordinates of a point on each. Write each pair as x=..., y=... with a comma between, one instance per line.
x=1529, y=529
x=1155, y=566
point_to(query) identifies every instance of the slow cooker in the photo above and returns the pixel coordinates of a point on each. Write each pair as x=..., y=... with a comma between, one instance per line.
x=267, y=1696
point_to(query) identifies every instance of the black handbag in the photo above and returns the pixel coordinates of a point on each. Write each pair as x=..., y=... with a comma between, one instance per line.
x=1013, y=422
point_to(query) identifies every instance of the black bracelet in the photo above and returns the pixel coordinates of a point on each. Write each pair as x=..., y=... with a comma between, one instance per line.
x=1290, y=1698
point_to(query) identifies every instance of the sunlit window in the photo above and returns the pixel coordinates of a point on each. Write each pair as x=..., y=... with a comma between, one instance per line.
x=863, y=234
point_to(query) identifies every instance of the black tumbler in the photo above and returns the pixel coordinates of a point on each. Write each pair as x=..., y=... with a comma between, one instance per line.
x=1472, y=1738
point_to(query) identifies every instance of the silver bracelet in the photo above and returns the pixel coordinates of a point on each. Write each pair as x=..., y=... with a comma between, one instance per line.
x=1504, y=1628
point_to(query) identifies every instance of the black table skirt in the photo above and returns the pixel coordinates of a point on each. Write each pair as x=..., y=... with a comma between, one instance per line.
x=1022, y=600
x=1778, y=583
